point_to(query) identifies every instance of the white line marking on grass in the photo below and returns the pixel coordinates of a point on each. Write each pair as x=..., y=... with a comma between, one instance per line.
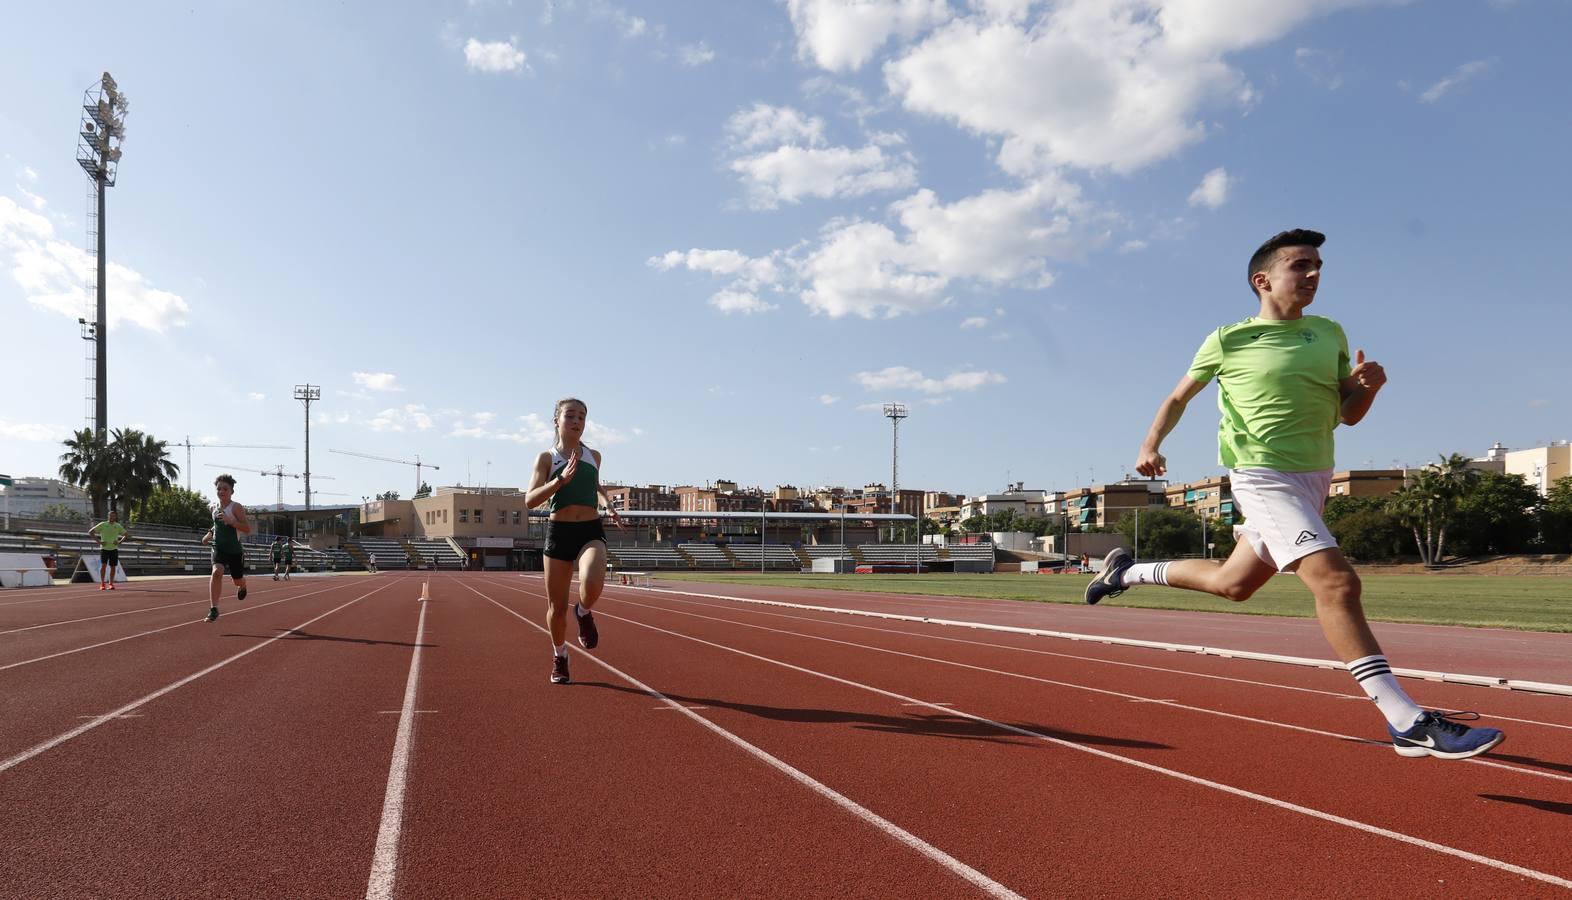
x=955, y=866
x=1333, y=818
x=384, y=866
x=80, y=730
x=128, y=637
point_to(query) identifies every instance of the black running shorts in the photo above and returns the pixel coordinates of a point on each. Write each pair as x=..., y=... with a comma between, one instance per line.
x=234, y=562
x=112, y=557
x=566, y=540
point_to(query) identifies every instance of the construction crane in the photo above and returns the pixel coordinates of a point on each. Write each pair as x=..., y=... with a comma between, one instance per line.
x=277, y=472
x=188, y=445
x=405, y=462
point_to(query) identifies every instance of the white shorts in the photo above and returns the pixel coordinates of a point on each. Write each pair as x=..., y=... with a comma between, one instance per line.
x=1282, y=513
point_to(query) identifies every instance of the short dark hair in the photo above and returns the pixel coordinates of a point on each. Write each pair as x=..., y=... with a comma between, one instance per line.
x=227, y=479
x=1262, y=257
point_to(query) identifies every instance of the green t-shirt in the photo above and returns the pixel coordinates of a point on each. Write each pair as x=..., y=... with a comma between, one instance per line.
x=1277, y=387
x=109, y=535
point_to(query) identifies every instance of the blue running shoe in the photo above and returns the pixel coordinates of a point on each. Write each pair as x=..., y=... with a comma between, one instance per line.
x=1442, y=735
x=1110, y=581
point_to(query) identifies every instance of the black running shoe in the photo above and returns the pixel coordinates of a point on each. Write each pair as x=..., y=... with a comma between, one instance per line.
x=559, y=669
x=241, y=595
x=589, y=636
x=1110, y=581
x=212, y=614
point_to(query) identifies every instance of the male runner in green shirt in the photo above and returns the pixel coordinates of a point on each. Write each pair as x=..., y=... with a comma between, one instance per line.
x=289, y=557
x=278, y=556
x=109, y=535
x=1284, y=382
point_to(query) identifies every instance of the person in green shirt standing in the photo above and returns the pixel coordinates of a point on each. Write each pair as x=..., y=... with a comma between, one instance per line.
x=109, y=535
x=278, y=556
x=289, y=557
x=229, y=523
x=1284, y=382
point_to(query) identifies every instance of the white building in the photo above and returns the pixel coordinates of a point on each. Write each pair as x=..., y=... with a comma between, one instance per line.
x=1026, y=503
x=29, y=496
x=1541, y=467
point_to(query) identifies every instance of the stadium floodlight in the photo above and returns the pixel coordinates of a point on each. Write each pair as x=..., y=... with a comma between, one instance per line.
x=306, y=393
x=98, y=153
x=895, y=412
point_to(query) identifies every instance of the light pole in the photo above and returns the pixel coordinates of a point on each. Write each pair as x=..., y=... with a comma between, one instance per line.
x=306, y=393
x=98, y=153
x=895, y=412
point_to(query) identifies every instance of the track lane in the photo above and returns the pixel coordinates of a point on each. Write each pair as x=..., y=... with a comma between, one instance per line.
x=264, y=777
x=1121, y=717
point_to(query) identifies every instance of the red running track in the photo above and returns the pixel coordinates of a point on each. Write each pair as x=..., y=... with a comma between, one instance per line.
x=333, y=737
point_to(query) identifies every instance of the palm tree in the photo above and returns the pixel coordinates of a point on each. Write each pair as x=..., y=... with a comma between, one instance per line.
x=1414, y=506
x=1455, y=478
x=141, y=466
x=87, y=464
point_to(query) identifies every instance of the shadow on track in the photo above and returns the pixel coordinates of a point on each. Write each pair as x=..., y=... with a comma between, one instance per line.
x=1532, y=762
x=298, y=635
x=918, y=724
x=1554, y=806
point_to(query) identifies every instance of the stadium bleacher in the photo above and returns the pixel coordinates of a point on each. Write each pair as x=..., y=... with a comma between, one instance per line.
x=647, y=556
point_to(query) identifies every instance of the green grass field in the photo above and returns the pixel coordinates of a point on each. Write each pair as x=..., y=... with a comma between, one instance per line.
x=1541, y=603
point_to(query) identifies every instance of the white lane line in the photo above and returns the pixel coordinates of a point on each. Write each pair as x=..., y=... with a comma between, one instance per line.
x=157, y=630
x=1110, y=662
x=126, y=716
x=1226, y=653
x=1335, y=819
x=1082, y=687
x=384, y=865
x=80, y=730
x=104, y=616
x=972, y=876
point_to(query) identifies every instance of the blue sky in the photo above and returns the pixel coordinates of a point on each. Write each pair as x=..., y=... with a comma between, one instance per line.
x=736, y=228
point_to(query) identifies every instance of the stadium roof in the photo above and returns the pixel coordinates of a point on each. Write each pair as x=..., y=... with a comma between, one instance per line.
x=755, y=516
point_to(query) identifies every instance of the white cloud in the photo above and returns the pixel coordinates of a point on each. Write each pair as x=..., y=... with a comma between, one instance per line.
x=493, y=56
x=694, y=55
x=402, y=418
x=740, y=302
x=325, y=418
x=975, y=322
x=788, y=174
x=33, y=433
x=1212, y=192
x=828, y=399
x=29, y=173
x=1320, y=66
x=902, y=378
x=749, y=271
x=841, y=36
x=256, y=395
x=36, y=201
x=764, y=124
x=871, y=269
x=55, y=274
x=377, y=381
x=1092, y=84
x=1465, y=72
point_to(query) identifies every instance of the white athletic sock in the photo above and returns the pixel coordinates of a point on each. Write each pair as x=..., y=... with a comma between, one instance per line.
x=579, y=610
x=1145, y=573
x=1374, y=674
x=561, y=650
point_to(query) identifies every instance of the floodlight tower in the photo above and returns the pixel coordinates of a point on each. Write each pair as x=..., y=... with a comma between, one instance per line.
x=98, y=153
x=895, y=412
x=306, y=393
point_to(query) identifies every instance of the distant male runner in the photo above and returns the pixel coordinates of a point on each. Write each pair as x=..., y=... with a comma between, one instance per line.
x=289, y=557
x=1284, y=382
x=109, y=535
x=278, y=556
x=372, y=561
x=229, y=523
